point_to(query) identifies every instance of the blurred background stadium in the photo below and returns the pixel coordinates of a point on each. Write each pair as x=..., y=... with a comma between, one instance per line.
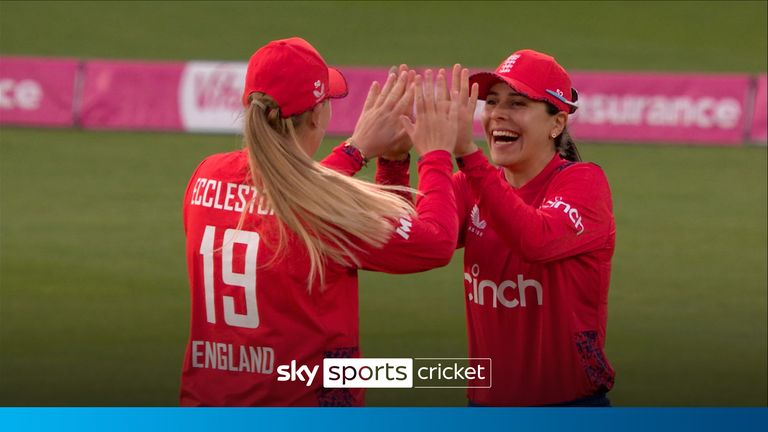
x=93, y=290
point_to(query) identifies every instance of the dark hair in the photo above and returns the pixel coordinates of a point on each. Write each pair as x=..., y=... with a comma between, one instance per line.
x=564, y=143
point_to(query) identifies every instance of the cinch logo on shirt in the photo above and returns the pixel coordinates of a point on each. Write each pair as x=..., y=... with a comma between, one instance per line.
x=498, y=291
x=572, y=213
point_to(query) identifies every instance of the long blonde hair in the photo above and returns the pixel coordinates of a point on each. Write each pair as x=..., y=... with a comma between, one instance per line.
x=328, y=211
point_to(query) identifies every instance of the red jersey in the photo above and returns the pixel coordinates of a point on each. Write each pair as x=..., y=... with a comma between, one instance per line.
x=250, y=315
x=537, y=264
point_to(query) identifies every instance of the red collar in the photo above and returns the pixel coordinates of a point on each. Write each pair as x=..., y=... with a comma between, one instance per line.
x=542, y=177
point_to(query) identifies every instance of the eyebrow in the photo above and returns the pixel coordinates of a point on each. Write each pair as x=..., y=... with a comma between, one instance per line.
x=513, y=94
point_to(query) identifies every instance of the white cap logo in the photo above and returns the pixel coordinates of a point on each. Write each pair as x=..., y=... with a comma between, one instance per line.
x=319, y=91
x=508, y=63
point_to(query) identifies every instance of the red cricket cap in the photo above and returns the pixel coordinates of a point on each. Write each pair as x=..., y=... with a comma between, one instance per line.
x=533, y=74
x=293, y=73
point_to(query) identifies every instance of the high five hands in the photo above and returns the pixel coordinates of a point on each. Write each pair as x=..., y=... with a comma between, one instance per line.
x=440, y=120
x=378, y=128
x=443, y=119
x=467, y=105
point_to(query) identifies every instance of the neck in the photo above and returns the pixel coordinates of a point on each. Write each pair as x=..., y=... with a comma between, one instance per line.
x=519, y=175
x=308, y=141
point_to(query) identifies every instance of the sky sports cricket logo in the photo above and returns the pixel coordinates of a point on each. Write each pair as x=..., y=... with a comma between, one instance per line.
x=392, y=373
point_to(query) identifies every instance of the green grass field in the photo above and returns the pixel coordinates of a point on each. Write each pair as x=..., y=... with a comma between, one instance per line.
x=93, y=292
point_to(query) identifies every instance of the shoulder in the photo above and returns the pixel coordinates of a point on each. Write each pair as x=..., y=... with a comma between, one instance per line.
x=580, y=171
x=461, y=185
x=583, y=181
x=224, y=164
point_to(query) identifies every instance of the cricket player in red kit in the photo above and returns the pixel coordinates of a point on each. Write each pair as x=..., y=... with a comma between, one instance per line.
x=274, y=239
x=538, y=234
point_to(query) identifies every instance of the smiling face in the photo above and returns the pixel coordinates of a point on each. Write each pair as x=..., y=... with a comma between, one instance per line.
x=519, y=130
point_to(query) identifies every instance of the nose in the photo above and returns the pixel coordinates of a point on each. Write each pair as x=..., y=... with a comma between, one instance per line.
x=499, y=113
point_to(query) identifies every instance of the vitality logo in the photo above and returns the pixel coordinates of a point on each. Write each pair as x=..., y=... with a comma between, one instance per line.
x=498, y=292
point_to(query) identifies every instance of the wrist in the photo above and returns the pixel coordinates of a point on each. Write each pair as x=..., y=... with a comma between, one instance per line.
x=397, y=164
x=351, y=148
x=395, y=156
x=465, y=149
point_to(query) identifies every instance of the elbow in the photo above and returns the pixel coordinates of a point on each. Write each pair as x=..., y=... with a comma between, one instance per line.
x=432, y=255
x=533, y=256
x=443, y=252
x=531, y=251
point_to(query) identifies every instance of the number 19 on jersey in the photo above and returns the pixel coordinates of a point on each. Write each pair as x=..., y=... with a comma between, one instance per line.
x=246, y=279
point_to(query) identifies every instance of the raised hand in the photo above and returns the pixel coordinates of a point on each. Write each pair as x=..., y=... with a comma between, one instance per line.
x=402, y=145
x=378, y=127
x=467, y=104
x=436, y=120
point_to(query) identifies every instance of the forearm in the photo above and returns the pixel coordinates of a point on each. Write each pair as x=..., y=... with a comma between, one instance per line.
x=555, y=229
x=428, y=239
x=395, y=173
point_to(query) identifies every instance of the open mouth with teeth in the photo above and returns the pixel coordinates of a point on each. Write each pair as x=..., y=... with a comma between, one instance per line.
x=504, y=136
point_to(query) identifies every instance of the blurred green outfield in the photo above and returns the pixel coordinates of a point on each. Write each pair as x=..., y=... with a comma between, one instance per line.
x=93, y=294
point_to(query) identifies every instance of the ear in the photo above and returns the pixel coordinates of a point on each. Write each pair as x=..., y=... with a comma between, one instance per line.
x=559, y=121
x=315, y=116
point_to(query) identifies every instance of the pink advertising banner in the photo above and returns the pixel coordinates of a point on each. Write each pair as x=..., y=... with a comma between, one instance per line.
x=701, y=109
x=759, y=129
x=131, y=95
x=37, y=91
x=347, y=110
x=205, y=97
x=210, y=97
x=646, y=107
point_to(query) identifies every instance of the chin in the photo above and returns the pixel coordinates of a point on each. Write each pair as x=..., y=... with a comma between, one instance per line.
x=504, y=159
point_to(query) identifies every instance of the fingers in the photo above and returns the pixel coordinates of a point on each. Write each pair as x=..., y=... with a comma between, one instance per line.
x=411, y=76
x=373, y=94
x=464, y=87
x=405, y=105
x=442, y=87
x=455, y=78
x=455, y=107
x=473, y=98
x=418, y=95
x=451, y=128
x=428, y=90
x=391, y=78
x=408, y=125
x=396, y=94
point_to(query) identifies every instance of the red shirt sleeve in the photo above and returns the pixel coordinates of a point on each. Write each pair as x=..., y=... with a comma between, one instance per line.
x=395, y=172
x=427, y=240
x=464, y=203
x=576, y=215
x=348, y=161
